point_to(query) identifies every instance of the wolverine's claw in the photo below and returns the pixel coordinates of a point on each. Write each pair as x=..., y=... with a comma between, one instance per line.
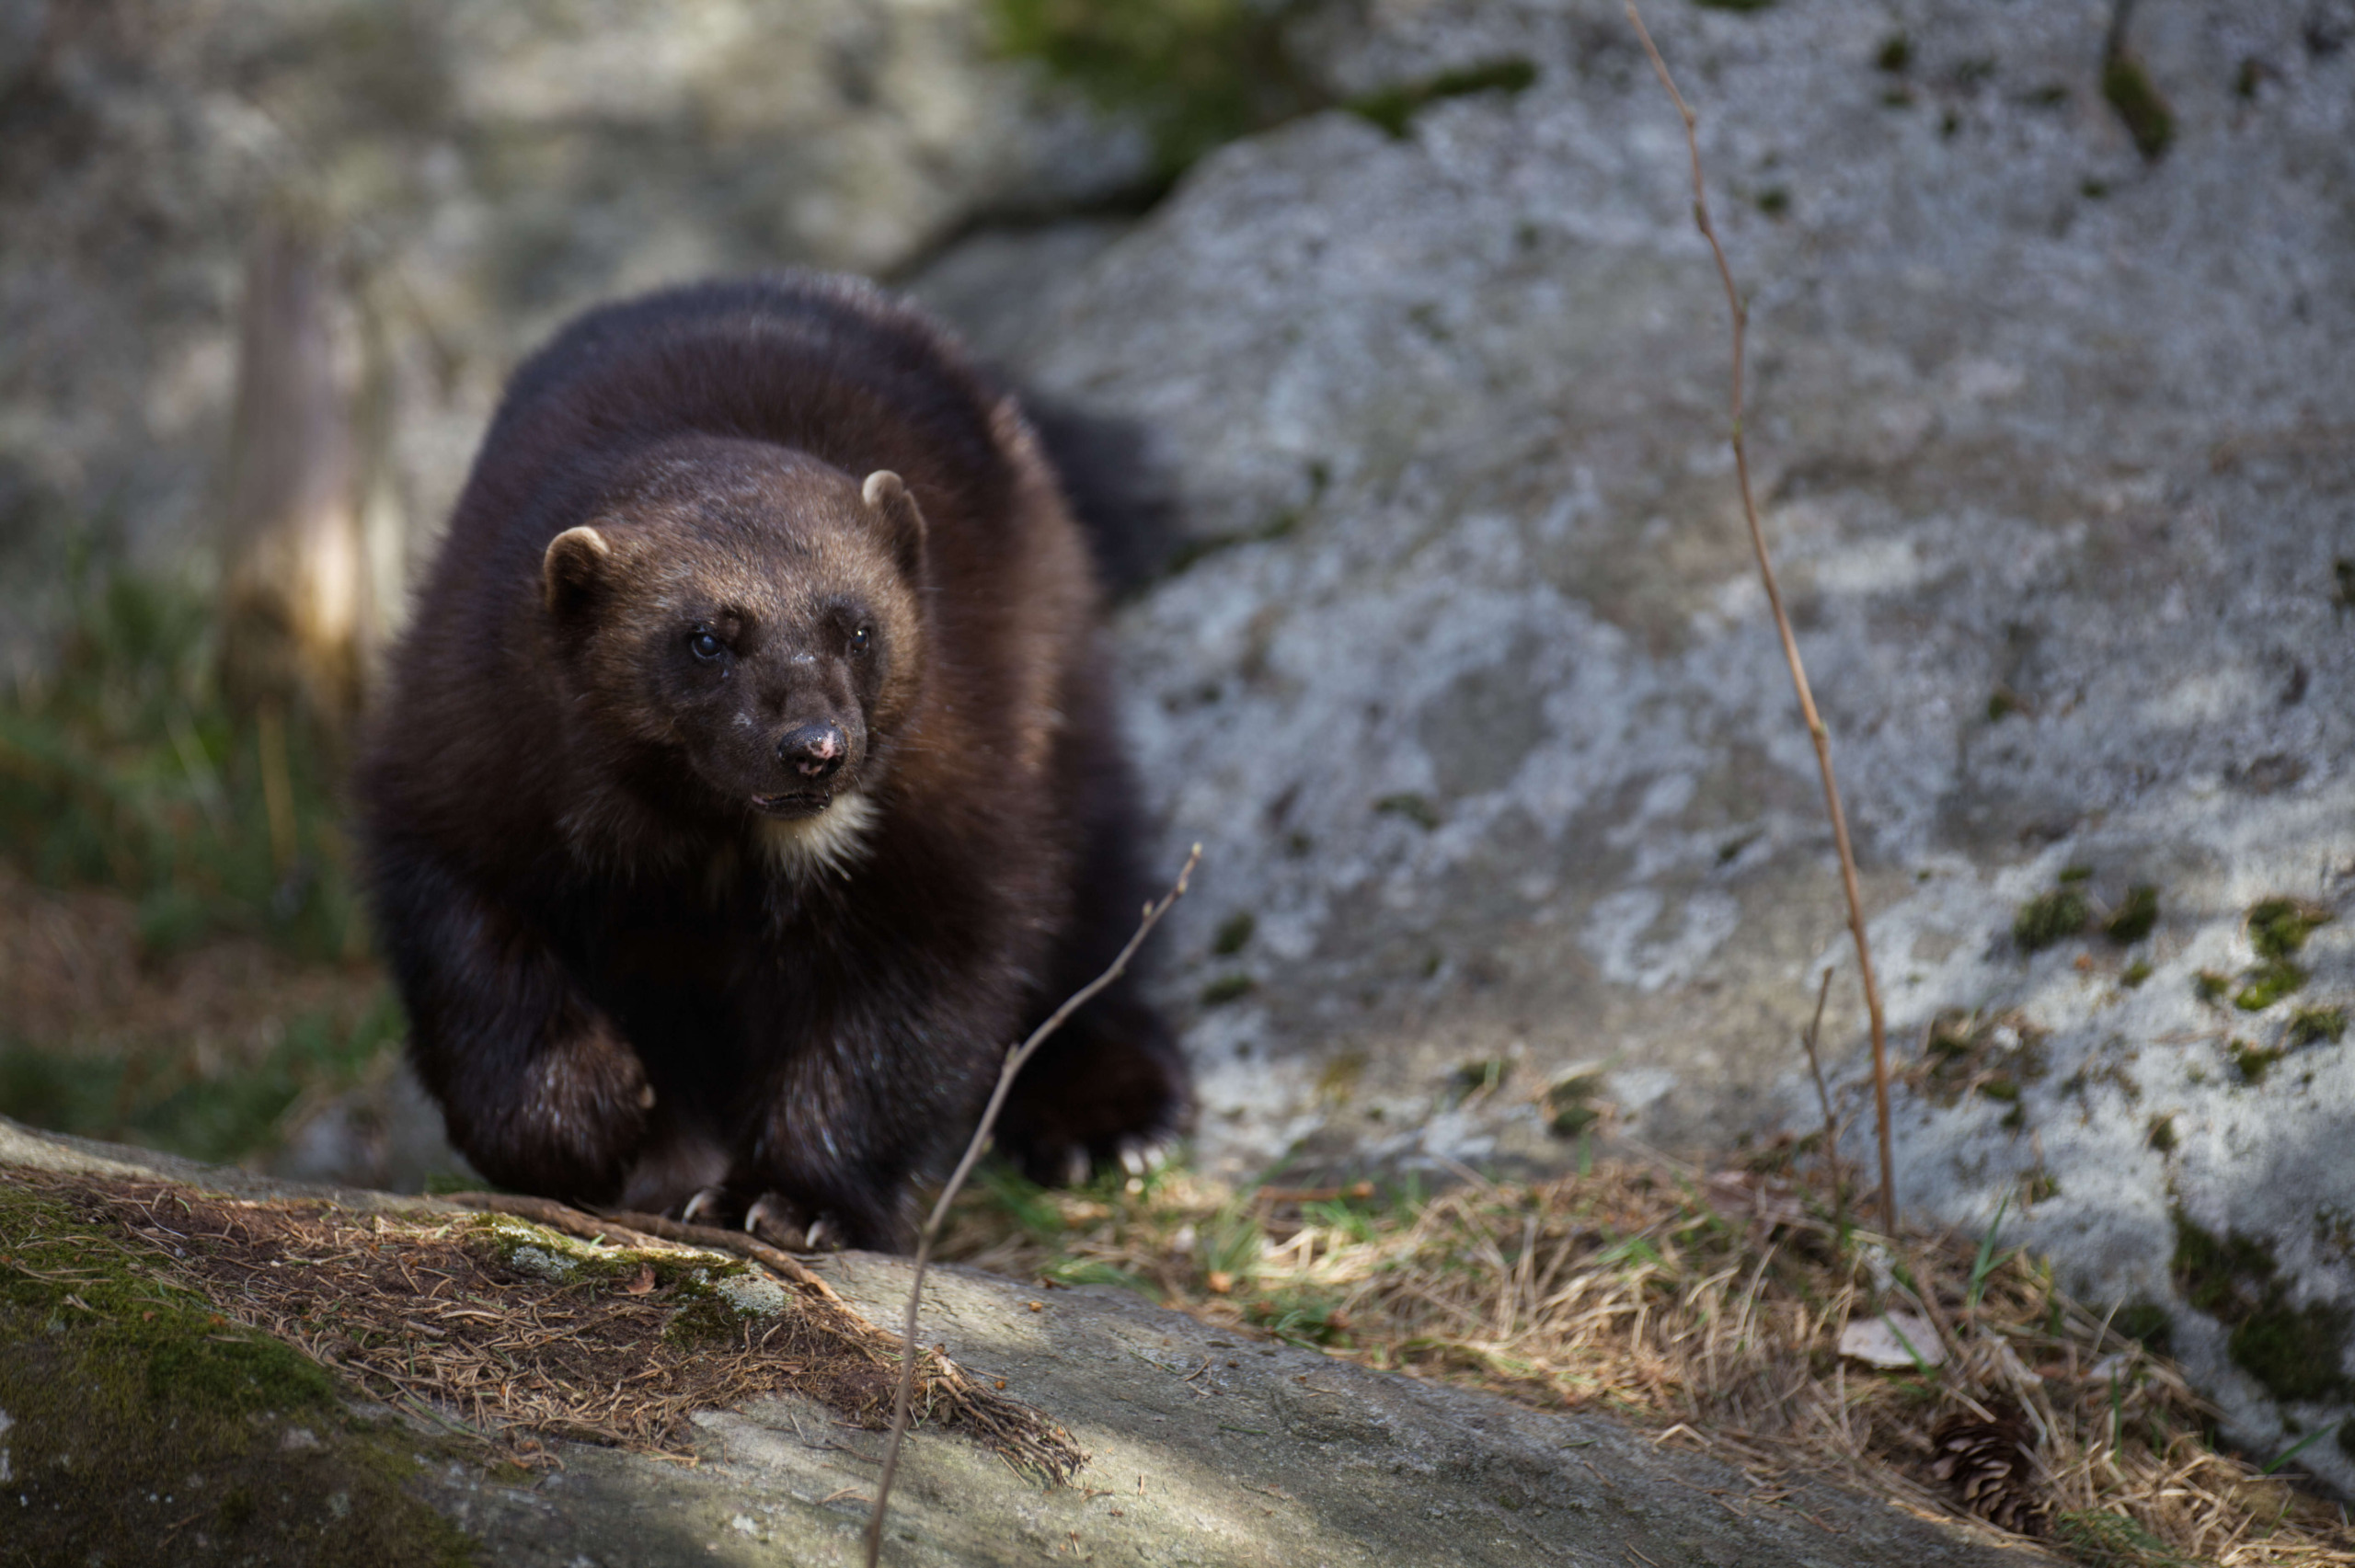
x=1143, y=1156
x=1075, y=1166
x=708, y=1199
x=815, y=1238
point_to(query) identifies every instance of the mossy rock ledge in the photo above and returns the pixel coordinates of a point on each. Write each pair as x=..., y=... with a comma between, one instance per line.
x=140, y=1427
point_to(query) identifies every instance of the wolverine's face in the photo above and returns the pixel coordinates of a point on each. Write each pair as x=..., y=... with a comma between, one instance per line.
x=750, y=613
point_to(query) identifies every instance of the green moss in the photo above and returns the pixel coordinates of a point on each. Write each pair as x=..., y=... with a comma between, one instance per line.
x=2208, y=985
x=2049, y=918
x=2313, y=1025
x=535, y=1250
x=2161, y=1135
x=2278, y=928
x=704, y=1320
x=1483, y=1076
x=1775, y=201
x=2135, y=974
x=2222, y=1276
x=2297, y=1353
x=2147, y=1323
x=707, y=1310
x=2146, y=116
x=1571, y=1104
x=2135, y=916
x=137, y=1410
x=2264, y=984
x=2004, y=702
x=2251, y=1063
x=1417, y=808
x=2069, y=874
x=1394, y=108
x=1195, y=73
x=1235, y=934
x=1895, y=54
x=1993, y=1055
x=2039, y=1186
x=1226, y=989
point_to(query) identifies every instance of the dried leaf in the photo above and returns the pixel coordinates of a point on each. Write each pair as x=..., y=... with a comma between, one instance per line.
x=1893, y=1339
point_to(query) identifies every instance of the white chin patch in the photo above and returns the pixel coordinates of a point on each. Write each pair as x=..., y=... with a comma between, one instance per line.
x=827, y=844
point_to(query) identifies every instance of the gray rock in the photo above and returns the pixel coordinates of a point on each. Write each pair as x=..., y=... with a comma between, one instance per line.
x=1205, y=1448
x=1470, y=692
x=22, y=23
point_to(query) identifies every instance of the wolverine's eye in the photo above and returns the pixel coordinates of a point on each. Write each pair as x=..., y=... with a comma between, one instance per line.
x=704, y=646
x=859, y=640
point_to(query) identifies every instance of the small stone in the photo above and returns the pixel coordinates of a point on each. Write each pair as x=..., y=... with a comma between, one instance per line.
x=1892, y=1340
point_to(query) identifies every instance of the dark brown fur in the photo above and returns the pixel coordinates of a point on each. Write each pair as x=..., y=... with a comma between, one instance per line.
x=640, y=957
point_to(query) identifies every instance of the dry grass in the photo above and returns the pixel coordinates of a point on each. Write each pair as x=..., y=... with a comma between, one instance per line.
x=1711, y=1310
x=616, y=1343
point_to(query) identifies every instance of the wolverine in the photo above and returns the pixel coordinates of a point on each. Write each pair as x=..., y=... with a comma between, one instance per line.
x=749, y=779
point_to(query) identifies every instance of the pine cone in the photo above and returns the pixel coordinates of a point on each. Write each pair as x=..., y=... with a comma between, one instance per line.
x=1989, y=1465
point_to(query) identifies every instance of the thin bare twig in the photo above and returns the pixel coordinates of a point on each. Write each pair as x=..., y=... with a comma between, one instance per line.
x=1824, y=1097
x=1815, y=727
x=1015, y=1061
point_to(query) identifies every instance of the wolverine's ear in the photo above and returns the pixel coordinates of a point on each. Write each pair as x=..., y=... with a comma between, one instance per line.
x=886, y=495
x=573, y=570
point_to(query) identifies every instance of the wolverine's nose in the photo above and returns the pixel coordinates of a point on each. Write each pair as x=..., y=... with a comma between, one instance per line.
x=814, y=750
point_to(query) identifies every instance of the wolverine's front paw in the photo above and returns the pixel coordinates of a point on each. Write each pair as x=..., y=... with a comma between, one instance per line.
x=772, y=1217
x=1124, y=1110
x=781, y=1223
x=705, y=1206
x=1056, y=1162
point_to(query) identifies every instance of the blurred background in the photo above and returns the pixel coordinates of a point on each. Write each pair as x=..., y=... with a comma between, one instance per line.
x=1459, y=667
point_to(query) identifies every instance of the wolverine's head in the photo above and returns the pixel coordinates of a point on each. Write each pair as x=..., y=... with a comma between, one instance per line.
x=744, y=621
